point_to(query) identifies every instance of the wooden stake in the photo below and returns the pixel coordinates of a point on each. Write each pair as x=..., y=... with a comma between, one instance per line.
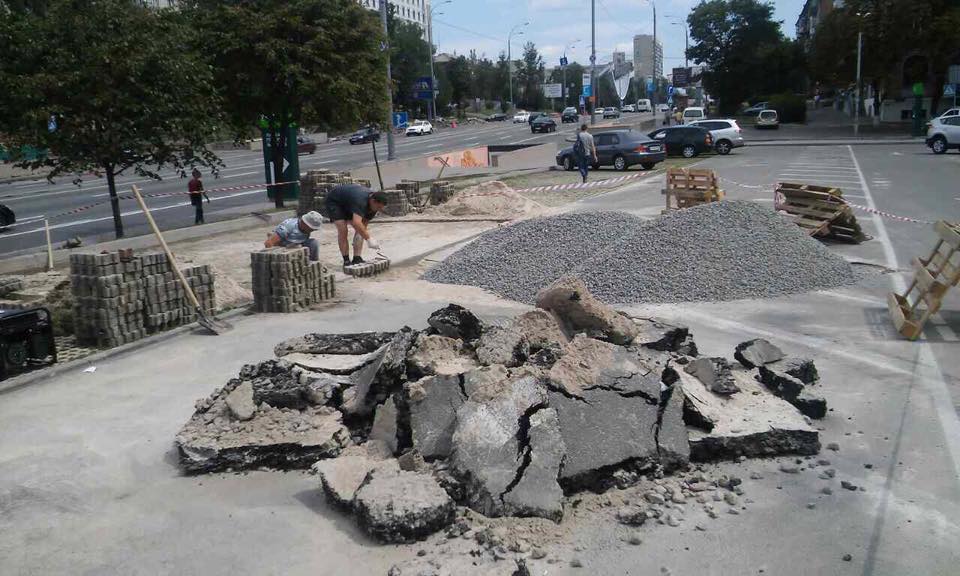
x=46, y=226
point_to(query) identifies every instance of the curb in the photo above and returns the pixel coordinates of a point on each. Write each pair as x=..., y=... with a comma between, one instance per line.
x=23, y=380
x=836, y=142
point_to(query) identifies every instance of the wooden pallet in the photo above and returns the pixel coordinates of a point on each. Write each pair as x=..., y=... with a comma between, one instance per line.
x=933, y=277
x=688, y=187
x=819, y=210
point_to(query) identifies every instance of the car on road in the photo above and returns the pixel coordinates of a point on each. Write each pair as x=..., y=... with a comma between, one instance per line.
x=643, y=105
x=534, y=115
x=611, y=112
x=306, y=145
x=686, y=141
x=692, y=114
x=569, y=114
x=619, y=148
x=419, y=128
x=629, y=108
x=498, y=117
x=364, y=135
x=727, y=134
x=949, y=113
x=755, y=109
x=943, y=134
x=543, y=123
x=661, y=108
x=521, y=117
x=767, y=119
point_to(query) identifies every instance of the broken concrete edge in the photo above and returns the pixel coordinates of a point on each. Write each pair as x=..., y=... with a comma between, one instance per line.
x=55, y=370
x=760, y=445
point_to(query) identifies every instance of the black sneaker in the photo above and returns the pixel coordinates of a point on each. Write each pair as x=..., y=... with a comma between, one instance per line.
x=346, y=260
x=357, y=260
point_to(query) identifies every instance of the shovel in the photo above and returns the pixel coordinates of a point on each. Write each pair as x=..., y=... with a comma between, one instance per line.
x=210, y=323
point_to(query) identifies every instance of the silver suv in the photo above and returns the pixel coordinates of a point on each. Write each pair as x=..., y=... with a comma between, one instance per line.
x=726, y=134
x=943, y=133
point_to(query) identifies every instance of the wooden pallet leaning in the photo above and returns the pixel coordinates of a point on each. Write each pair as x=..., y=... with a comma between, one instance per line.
x=819, y=210
x=933, y=277
x=688, y=187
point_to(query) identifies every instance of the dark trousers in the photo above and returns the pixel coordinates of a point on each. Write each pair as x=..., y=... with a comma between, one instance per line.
x=583, y=164
x=197, y=201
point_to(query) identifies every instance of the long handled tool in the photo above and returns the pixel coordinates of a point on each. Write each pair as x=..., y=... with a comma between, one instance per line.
x=208, y=322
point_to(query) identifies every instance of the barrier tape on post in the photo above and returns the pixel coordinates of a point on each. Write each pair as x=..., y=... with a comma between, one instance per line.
x=887, y=214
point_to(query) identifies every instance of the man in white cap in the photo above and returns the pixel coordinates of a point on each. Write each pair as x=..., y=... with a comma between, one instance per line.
x=296, y=232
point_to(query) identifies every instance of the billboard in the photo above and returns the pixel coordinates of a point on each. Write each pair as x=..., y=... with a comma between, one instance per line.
x=469, y=158
x=681, y=76
x=422, y=88
x=553, y=90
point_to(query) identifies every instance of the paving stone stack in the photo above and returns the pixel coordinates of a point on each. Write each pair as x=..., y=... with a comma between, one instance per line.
x=367, y=268
x=315, y=185
x=284, y=280
x=120, y=297
x=108, y=298
x=441, y=191
x=411, y=189
x=397, y=204
x=9, y=284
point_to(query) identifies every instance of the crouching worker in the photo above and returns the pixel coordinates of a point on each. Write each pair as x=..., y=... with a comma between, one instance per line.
x=355, y=205
x=296, y=232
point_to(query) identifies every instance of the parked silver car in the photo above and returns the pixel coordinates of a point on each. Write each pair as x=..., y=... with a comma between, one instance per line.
x=726, y=133
x=943, y=134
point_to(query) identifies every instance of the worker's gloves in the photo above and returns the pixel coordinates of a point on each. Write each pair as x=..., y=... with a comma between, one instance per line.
x=373, y=243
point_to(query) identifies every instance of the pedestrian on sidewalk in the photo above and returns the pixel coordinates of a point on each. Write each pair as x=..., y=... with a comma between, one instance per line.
x=666, y=116
x=296, y=232
x=355, y=205
x=195, y=188
x=584, y=150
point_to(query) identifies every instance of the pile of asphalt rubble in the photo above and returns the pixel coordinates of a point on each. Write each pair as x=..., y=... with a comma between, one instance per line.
x=406, y=428
x=719, y=251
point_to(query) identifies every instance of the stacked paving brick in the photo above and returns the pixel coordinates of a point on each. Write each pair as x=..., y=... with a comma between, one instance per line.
x=9, y=285
x=284, y=280
x=315, y=185
x=367, y=268
x=411, y=189
x=397, y=204
x=120, y=297
x=441, y=191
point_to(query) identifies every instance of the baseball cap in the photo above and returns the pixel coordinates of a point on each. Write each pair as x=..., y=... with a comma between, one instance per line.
x=313, y=219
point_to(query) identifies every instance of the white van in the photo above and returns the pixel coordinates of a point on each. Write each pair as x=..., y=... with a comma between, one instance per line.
x=644, y=106
x=693, y=113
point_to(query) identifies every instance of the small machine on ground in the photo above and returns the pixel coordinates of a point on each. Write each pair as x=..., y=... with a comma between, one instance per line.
x=26, y=339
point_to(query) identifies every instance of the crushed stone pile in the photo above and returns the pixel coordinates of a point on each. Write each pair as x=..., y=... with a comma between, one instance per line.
x=719, y=251
x=406, y=430
x=494, y=199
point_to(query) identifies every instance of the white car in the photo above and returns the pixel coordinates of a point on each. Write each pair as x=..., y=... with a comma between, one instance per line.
x=629, y=108
x=950, y=113
x=644, y=105
x=943, y=133
x=727, y=134
x=521, y=117
x=661, y=108
x=419, y=128
x=693, y=113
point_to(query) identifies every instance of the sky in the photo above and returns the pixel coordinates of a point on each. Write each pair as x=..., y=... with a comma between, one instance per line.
x=462, y=25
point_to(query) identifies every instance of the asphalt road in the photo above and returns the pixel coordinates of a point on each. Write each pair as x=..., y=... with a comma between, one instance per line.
x=32, y=200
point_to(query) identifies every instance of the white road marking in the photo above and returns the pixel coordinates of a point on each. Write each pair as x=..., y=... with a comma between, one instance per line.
x=926, y=368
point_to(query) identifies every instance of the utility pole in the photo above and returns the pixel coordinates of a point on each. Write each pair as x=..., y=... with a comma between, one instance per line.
x=856, y=104
x=433, y=77
x=563, y=87
x=510, y=57
x=593, y=61
x=385, y=47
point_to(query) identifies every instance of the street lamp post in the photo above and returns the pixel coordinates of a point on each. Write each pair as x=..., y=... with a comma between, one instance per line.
x=433, y=77
x=385, y=46
x=686, y=41
x=510, y=57
x=856, y=103
x=593, y=61
x=563, y=87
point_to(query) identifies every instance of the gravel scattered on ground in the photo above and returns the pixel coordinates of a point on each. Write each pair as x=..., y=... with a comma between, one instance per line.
x=720, y=251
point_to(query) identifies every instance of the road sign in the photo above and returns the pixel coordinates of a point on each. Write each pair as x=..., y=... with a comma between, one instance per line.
x=949, y=90
x=553, y=90
x=399, y=119
x=670, y=91
x=582, y=100
x=52, y=123
x=649, y=85
x=586, y=80
x=564, y=61
x=423, y=87
x=587, y=90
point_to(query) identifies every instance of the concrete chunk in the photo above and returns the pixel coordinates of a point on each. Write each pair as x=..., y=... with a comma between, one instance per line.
x=537, y=492
x=433, y=402
x=803, y=369
x=438, y=355
x=384, y=426
x=541, y=329
x=455, y=321
x=578, y=311
x=757, y=352
x=399, y=506
x=503, y=345
x=793, y=390
x=341, y=477
x=714, y=373
x=588, y=363
x=240, y=401
x=358, y=343
x=332, y=363
x=664, y=337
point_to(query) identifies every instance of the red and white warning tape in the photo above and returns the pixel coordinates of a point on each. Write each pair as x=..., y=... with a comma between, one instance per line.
x=887, y=214
x=585, y=185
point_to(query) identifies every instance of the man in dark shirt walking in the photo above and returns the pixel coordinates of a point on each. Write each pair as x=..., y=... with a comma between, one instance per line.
x=355, y=205
x=195, y=188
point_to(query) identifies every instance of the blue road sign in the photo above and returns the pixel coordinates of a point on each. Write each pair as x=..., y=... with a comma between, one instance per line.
x=423, y=87
x=587, y=91
x=670, y=90
x=563, y=61
x=52, y=123
x=649, y=85
x=949, y=90
x=583, y=101
x=399, y=119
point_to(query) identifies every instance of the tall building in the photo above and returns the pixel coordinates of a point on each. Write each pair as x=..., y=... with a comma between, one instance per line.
x=416, y=11
x=647, y=57
x=810, y=16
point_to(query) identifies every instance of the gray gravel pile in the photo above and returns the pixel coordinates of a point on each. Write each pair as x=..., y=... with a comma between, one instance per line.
x=720, y=251
x=518, y=260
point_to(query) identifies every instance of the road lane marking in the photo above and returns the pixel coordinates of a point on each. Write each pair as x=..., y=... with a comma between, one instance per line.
x=926, y=368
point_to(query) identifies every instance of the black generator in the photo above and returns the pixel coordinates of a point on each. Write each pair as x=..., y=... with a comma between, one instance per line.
x=7, y=217
x=26, y=340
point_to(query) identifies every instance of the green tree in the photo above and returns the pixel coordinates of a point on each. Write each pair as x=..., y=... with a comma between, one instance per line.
x=293, y=63
x=409, y=59
x=742, y=47
x=458, y=79
x=103, y=70
x=530, y=77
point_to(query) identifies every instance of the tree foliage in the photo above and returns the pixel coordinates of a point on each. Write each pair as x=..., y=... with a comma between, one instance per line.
x=530, y=77
x=744, y=50
x=103, y=71
x=409, y=60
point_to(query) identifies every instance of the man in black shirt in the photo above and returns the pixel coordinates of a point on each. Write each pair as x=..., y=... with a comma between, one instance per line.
x=356, y=205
